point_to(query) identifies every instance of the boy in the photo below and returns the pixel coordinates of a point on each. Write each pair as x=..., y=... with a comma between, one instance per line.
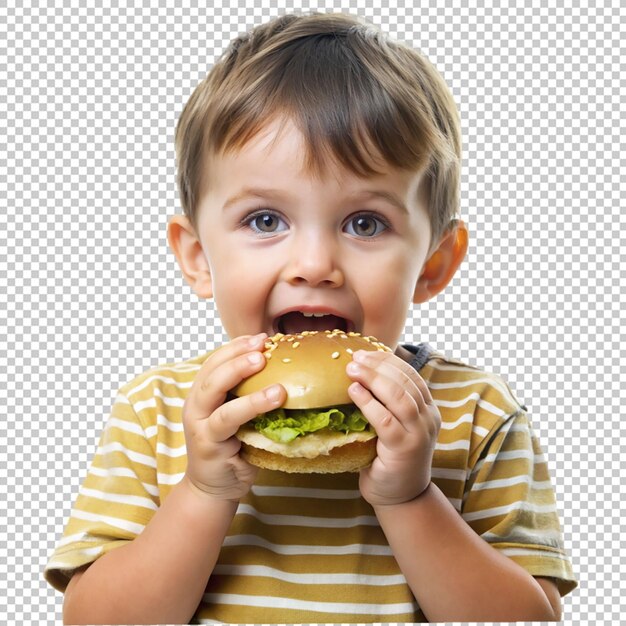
x=318, y=167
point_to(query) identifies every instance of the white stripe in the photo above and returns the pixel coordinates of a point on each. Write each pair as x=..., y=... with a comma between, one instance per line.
x=301, y=520
x=165, y=379
x=175, y=427
x=511, y=455
x=548, y=536
x=142, y=459
x=129, y=427
x=535, y=553
x=145, y=404
x=170, y=479
x=305, y=605
x=305, y=492
x=520, y=428
x=326, y=494
x=509, y=508
x=171, y=452
x=60, y=564
x=458, y=384
x=475, y=397
x=120, y=498
x=448, y=473
x=461, y=444
x=169, y=400
x=123, y=472
x=464, y=419
x=455, y=404
x=309, y=579
x=77, y=538
x=480, y=431
x=509, y=482
x=111, y=521
x=294, y=549
x=493, y=380
x=492, y=408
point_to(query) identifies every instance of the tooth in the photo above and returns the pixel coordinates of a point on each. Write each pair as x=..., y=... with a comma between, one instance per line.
x=314, y=314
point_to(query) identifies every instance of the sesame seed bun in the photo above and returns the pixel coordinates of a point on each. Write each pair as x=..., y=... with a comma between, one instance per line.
x=312, y=367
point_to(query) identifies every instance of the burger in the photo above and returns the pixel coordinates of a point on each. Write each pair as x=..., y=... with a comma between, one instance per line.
x=318, y=429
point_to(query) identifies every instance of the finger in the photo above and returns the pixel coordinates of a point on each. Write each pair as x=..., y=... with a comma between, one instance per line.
x=392, y=388
x=385, y=359
x=389, y=430
x=239, y=345
x=230, y=416
x=210, y=391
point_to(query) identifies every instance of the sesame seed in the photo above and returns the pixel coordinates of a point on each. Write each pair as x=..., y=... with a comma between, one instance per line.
x=286, y=360
x=295, y=344
x=349, y=351
x=335, y=355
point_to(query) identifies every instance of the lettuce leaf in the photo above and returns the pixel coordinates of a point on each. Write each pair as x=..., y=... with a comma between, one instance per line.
x=284, y=425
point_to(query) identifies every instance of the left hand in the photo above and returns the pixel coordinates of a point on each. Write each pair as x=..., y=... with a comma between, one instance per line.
x=396, y=401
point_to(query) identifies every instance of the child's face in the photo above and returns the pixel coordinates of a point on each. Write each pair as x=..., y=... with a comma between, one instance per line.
x=333, y=246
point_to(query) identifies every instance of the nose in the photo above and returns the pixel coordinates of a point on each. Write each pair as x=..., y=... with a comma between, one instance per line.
x=314, y=261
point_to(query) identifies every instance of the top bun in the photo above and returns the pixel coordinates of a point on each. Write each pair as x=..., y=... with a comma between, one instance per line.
x=311, y=366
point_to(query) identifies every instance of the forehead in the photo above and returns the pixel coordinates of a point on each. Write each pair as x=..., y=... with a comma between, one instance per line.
x=278, y=148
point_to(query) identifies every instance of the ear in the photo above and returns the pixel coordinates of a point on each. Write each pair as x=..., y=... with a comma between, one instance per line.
x=187, y=248
x=442, y=263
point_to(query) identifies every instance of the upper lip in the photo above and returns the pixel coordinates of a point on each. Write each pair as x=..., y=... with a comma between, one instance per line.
x=314, y=308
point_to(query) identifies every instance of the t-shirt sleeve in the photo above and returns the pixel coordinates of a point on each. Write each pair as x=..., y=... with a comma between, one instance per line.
x=116, y=501
x=509, y=501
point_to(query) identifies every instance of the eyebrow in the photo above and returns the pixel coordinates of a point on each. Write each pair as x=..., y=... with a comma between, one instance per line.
x=277, y=194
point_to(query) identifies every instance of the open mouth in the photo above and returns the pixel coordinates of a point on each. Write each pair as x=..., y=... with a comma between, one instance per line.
x=296, y=322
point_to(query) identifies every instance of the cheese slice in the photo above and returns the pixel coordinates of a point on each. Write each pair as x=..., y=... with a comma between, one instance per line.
x=308, y=446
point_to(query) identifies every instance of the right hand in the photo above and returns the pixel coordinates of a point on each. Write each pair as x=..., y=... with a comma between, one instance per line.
x=214, y=466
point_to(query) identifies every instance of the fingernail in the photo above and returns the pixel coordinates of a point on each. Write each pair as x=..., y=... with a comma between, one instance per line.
x=354, y=368
x=253, y=341
x=360, y=356
x=255, y=358
x=273, y=393
x=356, y=388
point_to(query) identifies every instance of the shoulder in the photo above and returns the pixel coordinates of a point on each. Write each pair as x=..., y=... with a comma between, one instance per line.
x=160, y=389
x=451, y=379
x=469, y=396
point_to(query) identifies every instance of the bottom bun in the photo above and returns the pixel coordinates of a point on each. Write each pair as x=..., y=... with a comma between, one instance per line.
x=350, y=457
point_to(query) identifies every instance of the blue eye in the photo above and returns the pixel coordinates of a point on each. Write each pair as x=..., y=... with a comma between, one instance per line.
x=366, y=225
x=264, y=222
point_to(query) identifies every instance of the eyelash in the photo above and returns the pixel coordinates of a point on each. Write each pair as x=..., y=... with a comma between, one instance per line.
x=248, y=220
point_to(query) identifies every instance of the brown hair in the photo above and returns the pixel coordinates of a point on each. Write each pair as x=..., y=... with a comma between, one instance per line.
x=346, y=86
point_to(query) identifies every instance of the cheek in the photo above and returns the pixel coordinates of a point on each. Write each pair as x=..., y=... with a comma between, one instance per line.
x=238, y=277
x=395, y=275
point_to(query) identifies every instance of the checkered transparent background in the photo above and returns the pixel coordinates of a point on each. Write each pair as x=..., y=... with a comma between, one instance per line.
x=91, y=296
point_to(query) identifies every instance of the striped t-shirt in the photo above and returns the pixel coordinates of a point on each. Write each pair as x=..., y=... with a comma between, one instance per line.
x=307, y=548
